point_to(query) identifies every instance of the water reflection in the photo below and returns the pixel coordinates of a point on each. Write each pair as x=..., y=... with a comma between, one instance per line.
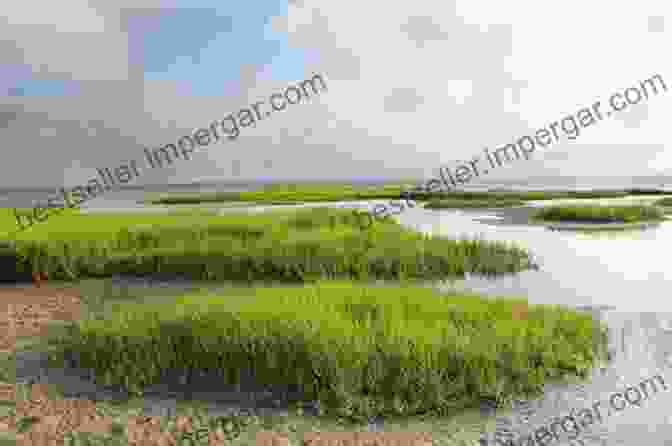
x=621, y=276
x=624, y=269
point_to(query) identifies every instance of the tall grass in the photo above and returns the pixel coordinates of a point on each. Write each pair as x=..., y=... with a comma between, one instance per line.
x=294, y=246
x=360, y=350
x=600, y=214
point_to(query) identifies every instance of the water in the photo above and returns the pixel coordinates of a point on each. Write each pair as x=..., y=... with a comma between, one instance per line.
x=622, y=277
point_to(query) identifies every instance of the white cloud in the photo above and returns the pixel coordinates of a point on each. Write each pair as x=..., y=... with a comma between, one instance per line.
x=411, y=85
x=70, y=39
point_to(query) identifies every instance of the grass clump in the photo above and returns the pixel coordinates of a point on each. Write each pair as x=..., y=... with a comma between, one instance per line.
x=360, y=350
x=600, y=214
x=295, y=246
x=463, y=204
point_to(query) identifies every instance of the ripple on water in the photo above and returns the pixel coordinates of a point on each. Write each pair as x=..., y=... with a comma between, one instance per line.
x=642, y=350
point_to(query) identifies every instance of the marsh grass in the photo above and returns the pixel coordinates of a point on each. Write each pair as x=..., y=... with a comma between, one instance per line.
x=293, y=193
x=600, y=214
x=664, y=202
x=99, y=296
x=8, y=222
x=464, y=203
x=642, y=191
x=287, y=194
x=291, y=246
x=358, y=349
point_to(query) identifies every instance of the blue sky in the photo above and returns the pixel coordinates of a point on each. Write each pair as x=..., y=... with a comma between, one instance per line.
x=199, y=45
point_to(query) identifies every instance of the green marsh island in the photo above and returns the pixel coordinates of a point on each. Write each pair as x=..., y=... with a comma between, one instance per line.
x=599, y=217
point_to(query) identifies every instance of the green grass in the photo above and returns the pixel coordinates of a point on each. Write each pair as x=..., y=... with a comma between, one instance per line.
x=60, y=223
x=287, y=194
x=101, y=298
x=361, y=350
x=293, y=194
x=8, y=222
x=640, y=191
x=600, y=214
x=522, y=196
x=463, y=203
x=666, y=202
x=290, y=245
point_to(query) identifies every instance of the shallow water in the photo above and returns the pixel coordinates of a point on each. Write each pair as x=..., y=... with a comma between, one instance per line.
x=642, y=350
x=622, y=276
x=576, y=268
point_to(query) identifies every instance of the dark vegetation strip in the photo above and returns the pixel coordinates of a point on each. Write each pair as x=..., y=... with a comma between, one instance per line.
x=284, y=194
x=461, y=204
x=664, y=202
x=288, y=194
x=600, y=214
x=527, y=195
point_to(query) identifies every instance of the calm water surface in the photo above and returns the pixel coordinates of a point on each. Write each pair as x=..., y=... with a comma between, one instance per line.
x=623, y=277
x=626, y=270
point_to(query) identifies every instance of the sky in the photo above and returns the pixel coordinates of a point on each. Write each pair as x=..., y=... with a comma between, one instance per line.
x=412, y=86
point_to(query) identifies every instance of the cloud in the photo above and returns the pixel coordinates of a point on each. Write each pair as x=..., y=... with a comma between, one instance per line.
x=421, y=29
x=63, y=39
x=411, y=86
